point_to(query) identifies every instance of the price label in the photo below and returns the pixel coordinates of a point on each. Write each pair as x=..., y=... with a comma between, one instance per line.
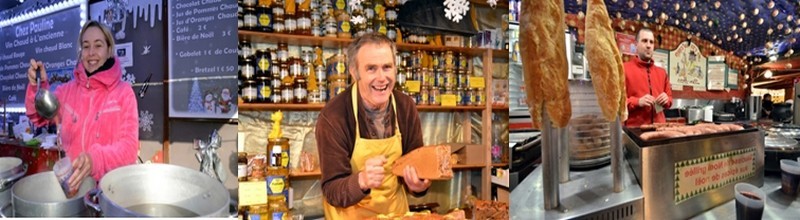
x=476, y=82
x=449, y=100
x=252, y=193
x=413, y=85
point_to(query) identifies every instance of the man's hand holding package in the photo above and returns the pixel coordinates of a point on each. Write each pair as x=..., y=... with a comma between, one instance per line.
x=373, y=173
x=414, y=183
x=646, y=101
x=662, y=99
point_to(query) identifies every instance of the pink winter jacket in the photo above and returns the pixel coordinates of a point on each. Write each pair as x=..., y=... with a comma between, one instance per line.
x=98, y=116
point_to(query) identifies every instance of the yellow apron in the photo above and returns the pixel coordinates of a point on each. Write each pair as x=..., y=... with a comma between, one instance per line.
x=390, y=197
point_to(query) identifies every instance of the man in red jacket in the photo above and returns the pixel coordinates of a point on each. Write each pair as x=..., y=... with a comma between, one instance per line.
x=647, y=85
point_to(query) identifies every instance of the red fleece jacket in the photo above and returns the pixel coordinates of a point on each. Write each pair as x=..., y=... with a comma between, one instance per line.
x=640, y=82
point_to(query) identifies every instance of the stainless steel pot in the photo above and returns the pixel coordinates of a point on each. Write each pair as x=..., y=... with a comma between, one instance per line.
x=694, y=115
x=40, y=195
x=159, y=190
x=11, y=169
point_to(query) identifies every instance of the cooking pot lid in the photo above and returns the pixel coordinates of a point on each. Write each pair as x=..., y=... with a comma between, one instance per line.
x=10, y=166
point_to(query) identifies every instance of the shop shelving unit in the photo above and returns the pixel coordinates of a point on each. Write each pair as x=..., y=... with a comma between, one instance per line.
x=485, y=110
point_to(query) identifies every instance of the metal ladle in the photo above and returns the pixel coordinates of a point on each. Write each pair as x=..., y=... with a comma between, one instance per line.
x=46, y=103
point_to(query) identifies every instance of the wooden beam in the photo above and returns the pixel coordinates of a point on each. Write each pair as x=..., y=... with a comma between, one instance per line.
x=762, y=83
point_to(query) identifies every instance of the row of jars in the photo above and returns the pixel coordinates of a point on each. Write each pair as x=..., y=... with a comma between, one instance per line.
x=319, y=17
x=433, y=96
x=446, y=61
x=271, y=76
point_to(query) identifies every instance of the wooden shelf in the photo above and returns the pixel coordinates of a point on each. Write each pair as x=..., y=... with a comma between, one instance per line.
x=301, y=174
x=500, y=108
x=280, y=106
x=318, y=107
x=468, y=166
x=333, y=42
x=434, y=108
x=497, y=53
x=500, y=164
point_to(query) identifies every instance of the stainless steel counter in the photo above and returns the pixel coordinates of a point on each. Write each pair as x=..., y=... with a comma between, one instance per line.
x=595, y=196
x=778, y=205
x=587, y=194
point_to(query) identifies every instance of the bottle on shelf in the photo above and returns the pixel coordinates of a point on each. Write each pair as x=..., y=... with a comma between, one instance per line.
x=264, y=18
x=300, y=89
x=250, y=18
x=278, y=15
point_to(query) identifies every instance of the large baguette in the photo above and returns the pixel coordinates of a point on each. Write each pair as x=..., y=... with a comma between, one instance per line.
x=605, y=62
x=431, y=162
x=544, y=61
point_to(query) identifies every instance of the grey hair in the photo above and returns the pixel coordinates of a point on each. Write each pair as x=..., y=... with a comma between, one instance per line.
x=369, y=38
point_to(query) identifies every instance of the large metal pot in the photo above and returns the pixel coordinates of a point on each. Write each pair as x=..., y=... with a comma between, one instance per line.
x=159, y=190
x=11, y=169
x=40, y=195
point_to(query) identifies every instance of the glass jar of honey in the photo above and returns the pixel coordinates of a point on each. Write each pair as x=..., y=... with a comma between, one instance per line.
x=344, y=26
x=300, y=89
x=250, y=18
x=250, y=91
x=303, y=22
x=287, y=92
x=264, y=18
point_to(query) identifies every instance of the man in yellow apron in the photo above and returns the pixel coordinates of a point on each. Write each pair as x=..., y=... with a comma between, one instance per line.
x=362, y=131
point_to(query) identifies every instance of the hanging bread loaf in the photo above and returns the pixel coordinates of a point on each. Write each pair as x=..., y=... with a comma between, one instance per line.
x=544, y=61
x=431, y=162
x=605, y=62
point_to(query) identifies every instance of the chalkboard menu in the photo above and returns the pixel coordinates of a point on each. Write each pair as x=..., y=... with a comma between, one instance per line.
x=51, y=38
x=202, y=58
x=138, y=28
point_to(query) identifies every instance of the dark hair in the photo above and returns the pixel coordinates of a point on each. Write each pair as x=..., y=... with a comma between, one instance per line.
x=640, y=32
x=767, y=95
x=369, y=38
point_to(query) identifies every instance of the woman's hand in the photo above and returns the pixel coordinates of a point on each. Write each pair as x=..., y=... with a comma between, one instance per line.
x=36, y=65
x=82, y=167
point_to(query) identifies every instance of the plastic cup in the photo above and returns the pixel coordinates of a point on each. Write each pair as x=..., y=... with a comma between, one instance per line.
x=749, y=201
x=790, y=176
x=63, y=170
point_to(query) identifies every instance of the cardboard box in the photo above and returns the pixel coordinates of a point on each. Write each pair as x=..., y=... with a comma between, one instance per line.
x=453, y=41
x=471, y=154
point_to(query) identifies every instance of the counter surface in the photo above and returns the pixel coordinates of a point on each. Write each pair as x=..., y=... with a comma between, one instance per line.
x=778, y=205
x=527, y=197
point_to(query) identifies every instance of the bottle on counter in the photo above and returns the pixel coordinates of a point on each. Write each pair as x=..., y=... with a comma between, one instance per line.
x=277, y=185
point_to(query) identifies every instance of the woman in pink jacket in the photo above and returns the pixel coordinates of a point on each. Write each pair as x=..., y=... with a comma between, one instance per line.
x=98, y=112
